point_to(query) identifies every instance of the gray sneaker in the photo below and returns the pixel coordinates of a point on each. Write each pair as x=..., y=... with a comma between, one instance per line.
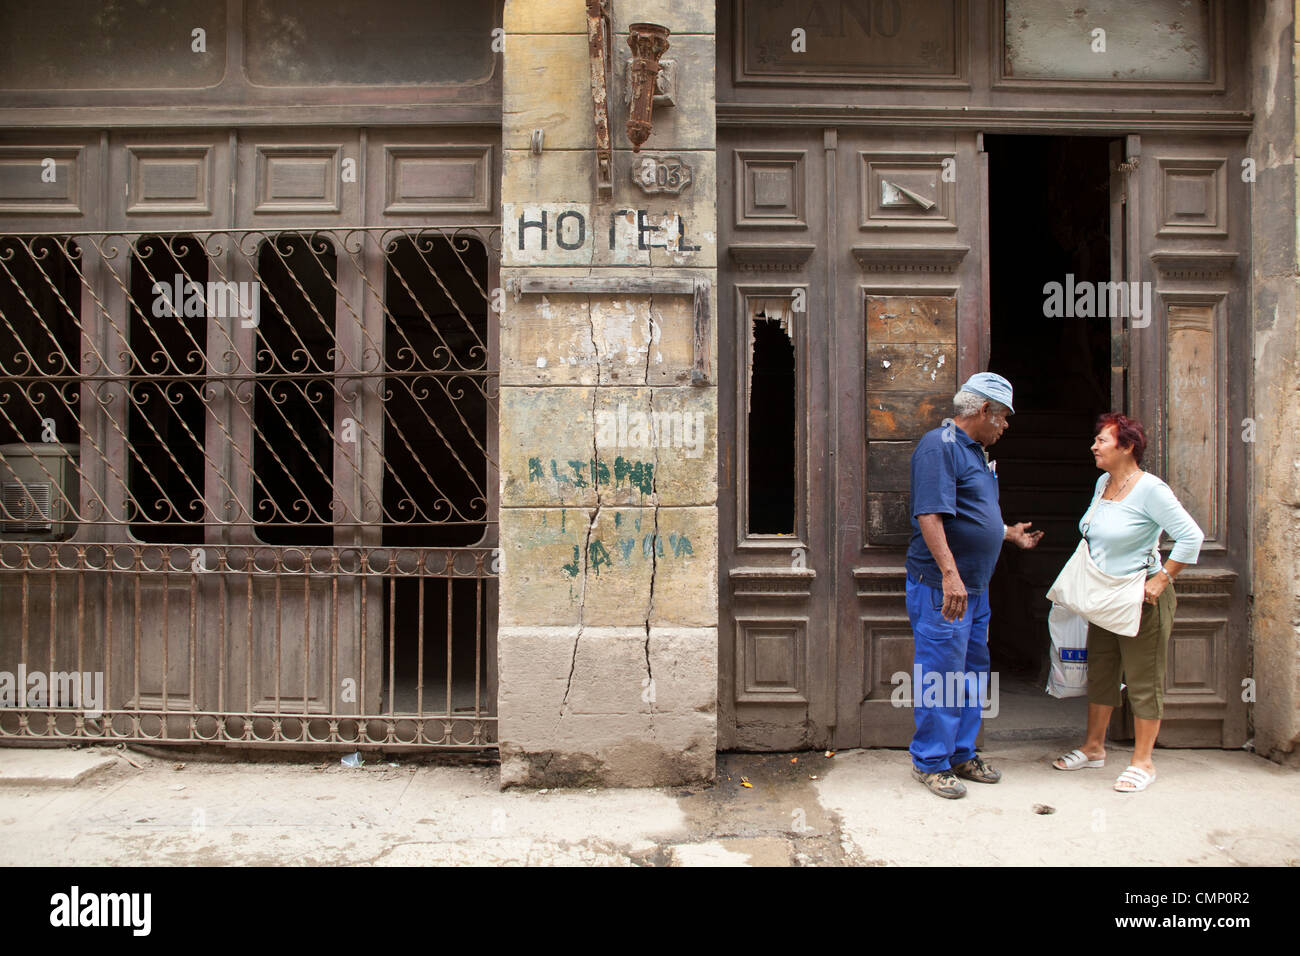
x=977, y=769
x=941, y=782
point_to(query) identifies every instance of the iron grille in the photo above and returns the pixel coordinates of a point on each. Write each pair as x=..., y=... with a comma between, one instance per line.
x=282, y=516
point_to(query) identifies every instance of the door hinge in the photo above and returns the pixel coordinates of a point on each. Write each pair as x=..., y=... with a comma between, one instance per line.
x=1119, y=349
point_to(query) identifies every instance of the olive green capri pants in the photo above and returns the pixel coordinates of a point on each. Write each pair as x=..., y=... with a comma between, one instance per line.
x=1141, y=659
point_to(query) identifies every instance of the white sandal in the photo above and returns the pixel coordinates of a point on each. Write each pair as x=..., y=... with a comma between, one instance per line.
x=1077, y=760
x=1141, y=779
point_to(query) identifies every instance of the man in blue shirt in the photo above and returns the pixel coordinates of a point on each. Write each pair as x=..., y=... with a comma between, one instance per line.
x=957, y=534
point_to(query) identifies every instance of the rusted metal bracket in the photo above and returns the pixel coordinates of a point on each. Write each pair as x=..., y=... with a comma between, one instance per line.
x=601, y=52
x=648, y=41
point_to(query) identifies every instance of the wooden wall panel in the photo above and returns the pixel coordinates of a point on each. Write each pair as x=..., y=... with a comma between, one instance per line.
x=770, y=660
x=770, y=188
x=312, y=175
x=41, y=179
x=889, y=651
x=169, y=179
x=910, y=377
x=438, y=179
x=1193, y=423
x=1192, y=198
x=293, y=179
x=908, y=191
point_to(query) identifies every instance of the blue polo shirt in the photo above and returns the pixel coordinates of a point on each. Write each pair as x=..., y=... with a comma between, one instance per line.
x=952, y=478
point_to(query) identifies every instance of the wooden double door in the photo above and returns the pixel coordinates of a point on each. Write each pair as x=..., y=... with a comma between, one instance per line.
x=866, y=273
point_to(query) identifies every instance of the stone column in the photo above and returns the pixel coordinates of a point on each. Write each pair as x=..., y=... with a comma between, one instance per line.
x=1275, y=613
x=607, y=645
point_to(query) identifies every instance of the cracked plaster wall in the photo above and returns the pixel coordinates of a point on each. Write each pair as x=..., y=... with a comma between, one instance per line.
x=607, y=644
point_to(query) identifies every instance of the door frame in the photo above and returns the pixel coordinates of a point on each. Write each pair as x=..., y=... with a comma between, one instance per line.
x=754, y=588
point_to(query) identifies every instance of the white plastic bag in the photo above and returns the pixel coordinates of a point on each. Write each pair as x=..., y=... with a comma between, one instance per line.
x=1069, y=672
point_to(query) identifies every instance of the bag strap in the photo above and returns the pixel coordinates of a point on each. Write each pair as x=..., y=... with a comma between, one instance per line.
x=1088, y=514
x=1151, y=559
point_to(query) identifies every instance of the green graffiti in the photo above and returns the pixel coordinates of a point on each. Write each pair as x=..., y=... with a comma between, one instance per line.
x=637, y=474
x=640, y=474
x=681, y=545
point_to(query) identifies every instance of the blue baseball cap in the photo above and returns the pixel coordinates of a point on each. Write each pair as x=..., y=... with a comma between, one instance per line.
x=992, y=386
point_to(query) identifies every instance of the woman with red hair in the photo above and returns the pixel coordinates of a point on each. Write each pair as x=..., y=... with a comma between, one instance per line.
x=1130, y=507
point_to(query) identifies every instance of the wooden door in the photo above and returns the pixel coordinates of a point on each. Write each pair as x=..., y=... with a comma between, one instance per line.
x=851, y=296
x=1186, y=228
x=777, y=591
x=913, y=327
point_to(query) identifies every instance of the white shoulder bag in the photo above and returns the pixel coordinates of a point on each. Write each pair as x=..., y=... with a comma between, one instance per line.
x=1107, y=600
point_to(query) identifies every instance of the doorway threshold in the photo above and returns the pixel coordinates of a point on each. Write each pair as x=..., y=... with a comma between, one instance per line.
x=1027, y=712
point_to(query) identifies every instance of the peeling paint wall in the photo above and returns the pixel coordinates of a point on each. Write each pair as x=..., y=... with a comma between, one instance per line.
x=607, y=644
x=1275, y=545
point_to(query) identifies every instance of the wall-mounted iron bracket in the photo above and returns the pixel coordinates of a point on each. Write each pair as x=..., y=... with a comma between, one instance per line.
x=601, y=53
x=648, y=42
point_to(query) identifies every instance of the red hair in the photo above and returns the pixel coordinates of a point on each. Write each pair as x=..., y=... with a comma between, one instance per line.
x=1129, y=433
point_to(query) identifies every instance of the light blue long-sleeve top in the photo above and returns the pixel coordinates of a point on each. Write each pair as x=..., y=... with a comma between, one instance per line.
x=1124, y=535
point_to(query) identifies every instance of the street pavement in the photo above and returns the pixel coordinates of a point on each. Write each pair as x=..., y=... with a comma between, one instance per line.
x=99, y=806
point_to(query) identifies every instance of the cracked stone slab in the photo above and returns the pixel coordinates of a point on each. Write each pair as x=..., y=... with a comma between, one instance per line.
x=50, y=768
x=738, y=852
x=556, y=573
x=586, y=339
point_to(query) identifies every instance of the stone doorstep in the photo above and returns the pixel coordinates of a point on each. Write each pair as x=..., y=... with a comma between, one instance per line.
x=49, y=768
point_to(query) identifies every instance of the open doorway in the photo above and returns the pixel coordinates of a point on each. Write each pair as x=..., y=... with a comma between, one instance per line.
x=1049, y=220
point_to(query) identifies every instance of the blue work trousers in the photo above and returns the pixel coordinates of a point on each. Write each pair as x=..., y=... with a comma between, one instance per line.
x=946, y=731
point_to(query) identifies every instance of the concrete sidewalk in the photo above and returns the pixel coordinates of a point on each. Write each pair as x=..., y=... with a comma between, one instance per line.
x=857, y=807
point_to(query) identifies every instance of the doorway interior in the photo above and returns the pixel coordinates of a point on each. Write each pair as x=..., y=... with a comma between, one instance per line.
x=1049, y=218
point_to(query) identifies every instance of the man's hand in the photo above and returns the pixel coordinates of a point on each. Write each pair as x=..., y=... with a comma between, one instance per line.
x=954, y=597
x=1018, y=535
x=954, y=592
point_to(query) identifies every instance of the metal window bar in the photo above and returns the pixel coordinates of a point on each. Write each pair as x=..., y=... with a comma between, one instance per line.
x=209, y=570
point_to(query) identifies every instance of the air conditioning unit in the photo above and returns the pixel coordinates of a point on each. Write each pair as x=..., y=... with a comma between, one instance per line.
x=37, y=482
